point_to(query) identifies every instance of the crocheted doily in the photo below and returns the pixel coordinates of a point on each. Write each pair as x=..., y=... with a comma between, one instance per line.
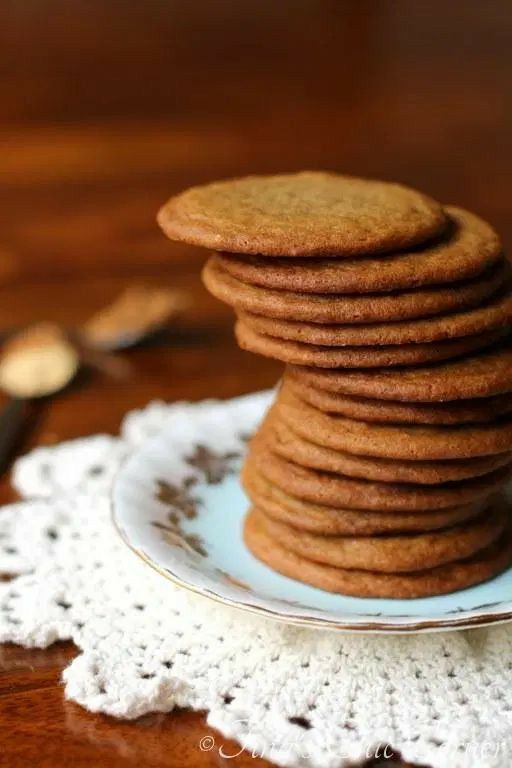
x=298, y=697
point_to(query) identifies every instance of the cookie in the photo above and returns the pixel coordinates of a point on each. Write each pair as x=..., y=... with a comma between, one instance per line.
x=364, y=583
x=322, y=519
x=328, y=489
x=351, y=308
x=467, y=248
x=391, y=553
x=402, y=441
x=493, y=315
x=297, y=353
x=484, y=374
x=395, y=412
x=280, y=439
x=302, y=214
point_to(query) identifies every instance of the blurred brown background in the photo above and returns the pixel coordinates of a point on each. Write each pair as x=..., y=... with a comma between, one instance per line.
x=107, y=107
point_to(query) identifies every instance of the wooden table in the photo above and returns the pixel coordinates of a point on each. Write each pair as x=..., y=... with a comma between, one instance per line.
x=108, y=107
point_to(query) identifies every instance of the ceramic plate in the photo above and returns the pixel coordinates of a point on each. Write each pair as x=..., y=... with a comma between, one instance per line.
x=177, y=502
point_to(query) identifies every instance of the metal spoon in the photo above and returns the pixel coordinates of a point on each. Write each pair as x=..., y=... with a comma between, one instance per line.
x=136, y=314
x=35, y=363
x=42, y=360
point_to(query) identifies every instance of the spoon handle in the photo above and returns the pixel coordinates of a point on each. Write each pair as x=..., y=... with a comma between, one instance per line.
x=12, y=420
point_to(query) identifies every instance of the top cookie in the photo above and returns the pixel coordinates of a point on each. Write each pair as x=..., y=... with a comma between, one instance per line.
x=302, y=214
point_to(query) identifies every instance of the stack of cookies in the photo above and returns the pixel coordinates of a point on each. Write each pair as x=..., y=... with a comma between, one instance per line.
x=380, y=468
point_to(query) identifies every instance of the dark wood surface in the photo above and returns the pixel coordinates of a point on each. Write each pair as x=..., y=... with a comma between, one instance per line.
x=109, y=106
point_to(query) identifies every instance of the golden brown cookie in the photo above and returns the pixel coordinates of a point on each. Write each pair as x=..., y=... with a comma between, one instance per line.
x=324, y=519
x=365, y=583
x=302, y=214
x=402, y=441
x=392, y=553
x=352, y=308
x=483, y=374
x=297, y=353
x=395, y=412
x=280, y=439
x=493, y=315
x=466, y=249
x=328, y=489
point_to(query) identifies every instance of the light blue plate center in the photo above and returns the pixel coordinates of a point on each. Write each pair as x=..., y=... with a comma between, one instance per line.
x=178, y=503
x=220, y=527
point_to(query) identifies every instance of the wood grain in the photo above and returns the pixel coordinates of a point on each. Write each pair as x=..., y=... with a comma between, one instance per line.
x=106, y=108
